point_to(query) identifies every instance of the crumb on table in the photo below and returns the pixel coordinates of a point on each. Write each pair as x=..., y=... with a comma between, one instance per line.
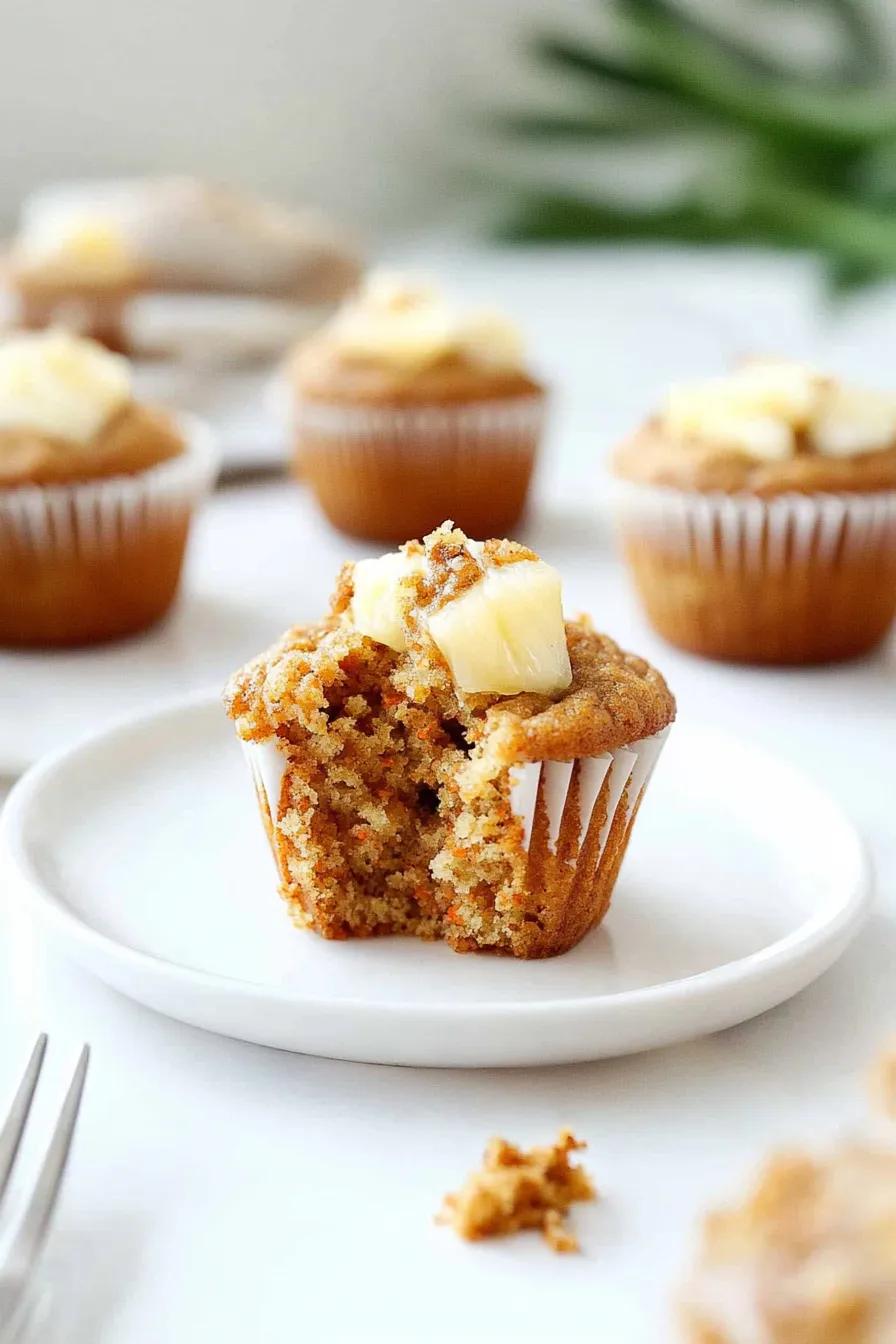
x=515, y=1190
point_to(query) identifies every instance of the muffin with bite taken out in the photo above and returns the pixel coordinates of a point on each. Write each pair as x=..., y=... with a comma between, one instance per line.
x=444, y=756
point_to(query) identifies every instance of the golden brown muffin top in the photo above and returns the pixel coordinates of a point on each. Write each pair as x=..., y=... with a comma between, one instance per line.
x=67, y=414
x=399, y=343
x=770, y=428
x=591, y=696
x=84, y=253
x=810, y=1256
x=137, y=438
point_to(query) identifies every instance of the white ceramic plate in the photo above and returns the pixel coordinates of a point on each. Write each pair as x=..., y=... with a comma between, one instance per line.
x=142, y=853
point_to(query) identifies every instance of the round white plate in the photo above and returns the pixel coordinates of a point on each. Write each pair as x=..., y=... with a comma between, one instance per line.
x=142, y=852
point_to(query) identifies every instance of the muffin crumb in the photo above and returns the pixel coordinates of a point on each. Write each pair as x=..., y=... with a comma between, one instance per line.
x=514, y=1191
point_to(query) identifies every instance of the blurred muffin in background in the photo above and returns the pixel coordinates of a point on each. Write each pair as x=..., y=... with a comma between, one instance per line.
x=808, y=1258
x=758, y=516
x=408, y=410
x=76, y=270
x=96, y=494
x=83, y=249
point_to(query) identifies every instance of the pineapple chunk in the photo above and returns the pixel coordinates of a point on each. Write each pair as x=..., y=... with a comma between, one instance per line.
x=506, y=635
x=378, y=591
x=851, y=421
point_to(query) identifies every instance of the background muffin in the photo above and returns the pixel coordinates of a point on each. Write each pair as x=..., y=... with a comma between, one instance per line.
x=809, y=1257
x=96, y=494
x=758, y=516
x=77, y=270
x=407, y=411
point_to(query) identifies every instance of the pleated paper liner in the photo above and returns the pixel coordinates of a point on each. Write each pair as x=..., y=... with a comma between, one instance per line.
x=389, y=473
x=99, y=559
x=791, y=579
x=576, y=819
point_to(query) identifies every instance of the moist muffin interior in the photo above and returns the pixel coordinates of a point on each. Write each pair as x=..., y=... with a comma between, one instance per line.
x=374, y=802
x=395, y=809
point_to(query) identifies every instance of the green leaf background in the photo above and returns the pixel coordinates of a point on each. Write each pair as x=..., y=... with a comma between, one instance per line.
x=776, y=153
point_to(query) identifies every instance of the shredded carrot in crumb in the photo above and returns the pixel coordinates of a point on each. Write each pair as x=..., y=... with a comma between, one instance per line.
x=425, y=733
x=387, y=762
x=459, y=852
x=392, y=698
x=384, y=792
x=304, y=804
x=360, y=832
x=453, y=915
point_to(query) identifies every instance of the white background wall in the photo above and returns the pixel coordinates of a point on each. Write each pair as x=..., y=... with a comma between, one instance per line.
x=350, y=103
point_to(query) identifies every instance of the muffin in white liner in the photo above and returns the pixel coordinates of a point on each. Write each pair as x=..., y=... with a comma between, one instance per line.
x=758, y=517
x=385, y=472
x=575, y=818
x=408, y=411
x=444, y=756
x=92, y=548
x=792, y=579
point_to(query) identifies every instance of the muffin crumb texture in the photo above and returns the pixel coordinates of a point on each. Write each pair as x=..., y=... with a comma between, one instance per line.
x=395, y=803
x=515, y=1191
x=809, y=1258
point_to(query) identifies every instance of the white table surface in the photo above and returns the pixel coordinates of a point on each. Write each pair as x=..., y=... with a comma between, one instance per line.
x=225, y=1192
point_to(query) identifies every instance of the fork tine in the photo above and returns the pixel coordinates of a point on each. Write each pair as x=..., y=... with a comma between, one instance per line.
x=35, y=1224
x=11, y=1134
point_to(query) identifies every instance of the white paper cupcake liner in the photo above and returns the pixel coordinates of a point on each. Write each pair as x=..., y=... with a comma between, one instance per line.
x=267, y=765
x=469, y=426
x=601, y=782
x=744, y=532
x=97, y=517
x=507, y=416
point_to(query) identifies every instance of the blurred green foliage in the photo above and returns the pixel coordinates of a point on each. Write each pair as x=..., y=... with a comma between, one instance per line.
x=776, y=153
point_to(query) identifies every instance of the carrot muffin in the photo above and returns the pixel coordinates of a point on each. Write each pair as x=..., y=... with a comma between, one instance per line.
x=96, y=494
x=77, y=271
x=758, y=515
x=514, y=1191
x=810, y=1258
x=442, y=756
x=407, y=410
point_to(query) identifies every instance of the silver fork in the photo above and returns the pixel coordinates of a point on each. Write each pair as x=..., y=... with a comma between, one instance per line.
x=17, y=1268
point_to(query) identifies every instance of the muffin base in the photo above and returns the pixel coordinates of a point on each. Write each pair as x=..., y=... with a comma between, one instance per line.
x=793, y=580
x=388, y=473
x=524, y=864
x=98, y=560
